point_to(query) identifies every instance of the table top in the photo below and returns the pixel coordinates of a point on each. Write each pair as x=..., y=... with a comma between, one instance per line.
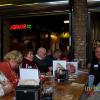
x=64, y=90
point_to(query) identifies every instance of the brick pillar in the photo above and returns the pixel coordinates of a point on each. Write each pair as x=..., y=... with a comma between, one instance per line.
x=79, y=30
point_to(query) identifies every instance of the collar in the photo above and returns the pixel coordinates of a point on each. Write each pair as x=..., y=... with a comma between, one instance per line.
x=38, y=57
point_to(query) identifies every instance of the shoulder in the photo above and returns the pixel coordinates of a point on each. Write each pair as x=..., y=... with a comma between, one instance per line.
x=3, y=64
x=35, y=58
x=50, y=57
x=24, y=60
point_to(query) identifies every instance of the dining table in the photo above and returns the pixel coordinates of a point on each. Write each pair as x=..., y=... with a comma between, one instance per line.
x=66, y=90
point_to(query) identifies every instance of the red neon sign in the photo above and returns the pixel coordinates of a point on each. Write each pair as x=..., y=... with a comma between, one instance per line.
x=20, y=27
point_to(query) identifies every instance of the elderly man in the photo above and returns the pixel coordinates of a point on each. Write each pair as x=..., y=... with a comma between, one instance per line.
x=40, y=60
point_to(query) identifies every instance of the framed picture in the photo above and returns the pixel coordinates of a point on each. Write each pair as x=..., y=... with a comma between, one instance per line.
x=72, y=68
x=58, y=64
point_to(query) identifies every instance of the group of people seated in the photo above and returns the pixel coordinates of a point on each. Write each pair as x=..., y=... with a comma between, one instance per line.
x=14, y=60
x=42, y=60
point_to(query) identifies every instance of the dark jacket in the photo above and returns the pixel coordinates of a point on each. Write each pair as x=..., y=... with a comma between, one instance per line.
x=28, y=64
x=49, y=60
x=41, y=64
x=95, y=70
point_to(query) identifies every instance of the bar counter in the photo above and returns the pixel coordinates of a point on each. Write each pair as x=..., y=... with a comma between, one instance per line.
x=64, y=90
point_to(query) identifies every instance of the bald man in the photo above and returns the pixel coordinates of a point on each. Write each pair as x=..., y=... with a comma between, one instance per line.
x=41, y=53
x=40, y=60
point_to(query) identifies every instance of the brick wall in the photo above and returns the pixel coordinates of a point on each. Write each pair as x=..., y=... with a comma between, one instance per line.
x=80, y=29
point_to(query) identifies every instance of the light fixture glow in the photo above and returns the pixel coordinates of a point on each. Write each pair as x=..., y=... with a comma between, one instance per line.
x=65, y=35
x=1, y=5
x=66, y=21
x=58, y=2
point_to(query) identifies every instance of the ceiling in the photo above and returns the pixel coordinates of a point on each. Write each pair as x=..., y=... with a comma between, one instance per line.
x=24, y=7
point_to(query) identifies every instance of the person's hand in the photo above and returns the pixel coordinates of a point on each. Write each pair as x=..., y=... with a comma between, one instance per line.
x=49, y=73
x=89, y=66
x=90, y=92
x=5, y=82
x=8, y=88
x=50, y=68
x=42, y=76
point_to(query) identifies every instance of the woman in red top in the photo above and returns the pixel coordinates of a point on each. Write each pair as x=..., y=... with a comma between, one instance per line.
x=8, y=67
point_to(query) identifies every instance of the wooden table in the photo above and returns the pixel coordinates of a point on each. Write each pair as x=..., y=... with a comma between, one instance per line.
x=62, y=91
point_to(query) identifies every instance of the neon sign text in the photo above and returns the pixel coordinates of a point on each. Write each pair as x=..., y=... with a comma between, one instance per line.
x=20, y=26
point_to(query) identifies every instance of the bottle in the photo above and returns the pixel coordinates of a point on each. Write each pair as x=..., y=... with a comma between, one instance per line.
x=67, y=74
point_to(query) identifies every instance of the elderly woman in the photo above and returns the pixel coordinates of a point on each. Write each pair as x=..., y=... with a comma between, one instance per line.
x=8, y=67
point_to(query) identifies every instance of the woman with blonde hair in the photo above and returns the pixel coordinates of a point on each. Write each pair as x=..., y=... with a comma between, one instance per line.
x=8, y=67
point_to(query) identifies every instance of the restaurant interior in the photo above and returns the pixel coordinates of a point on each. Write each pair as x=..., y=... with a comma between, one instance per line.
x=48, y=31
x=49, y=24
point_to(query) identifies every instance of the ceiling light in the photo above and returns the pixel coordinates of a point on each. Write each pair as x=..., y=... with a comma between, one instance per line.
x=59, y=2
x=66, y=21
x=1, y=5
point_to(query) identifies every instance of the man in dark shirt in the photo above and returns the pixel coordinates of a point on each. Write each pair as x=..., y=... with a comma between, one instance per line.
x=40, y=60
x=54, y=56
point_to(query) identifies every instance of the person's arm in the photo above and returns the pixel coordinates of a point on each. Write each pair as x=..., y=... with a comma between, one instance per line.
x=89, y=66
x=7, y=87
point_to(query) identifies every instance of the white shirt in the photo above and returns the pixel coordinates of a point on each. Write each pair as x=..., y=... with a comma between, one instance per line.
x=38, y=57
